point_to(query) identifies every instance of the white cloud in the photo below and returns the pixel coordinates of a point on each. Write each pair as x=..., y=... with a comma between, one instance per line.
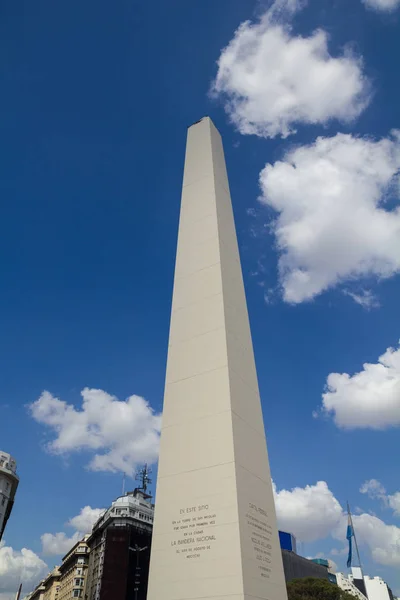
x=54, y=544
x=382, y=540
x=17, y=566
x=120, y=433
x=368, y=399
x=365, y=298
x=86, y=519
x=313, y=513
x=332, y=224
x=375, y=490
x=271, y=80
x=394, y=503
x=339, y=551
x=383, y=5
x=309, y=513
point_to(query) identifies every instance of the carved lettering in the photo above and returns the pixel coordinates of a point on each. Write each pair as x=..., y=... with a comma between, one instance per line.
x=193, y=529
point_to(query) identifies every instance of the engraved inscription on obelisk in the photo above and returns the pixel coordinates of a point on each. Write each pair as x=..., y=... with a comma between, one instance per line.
x=215, y=533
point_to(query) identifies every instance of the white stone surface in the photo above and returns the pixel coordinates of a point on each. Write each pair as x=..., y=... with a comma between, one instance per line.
x=215, y=533
x=377, y=589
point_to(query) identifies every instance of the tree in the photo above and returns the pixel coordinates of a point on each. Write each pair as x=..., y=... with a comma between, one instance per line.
x=310, y=588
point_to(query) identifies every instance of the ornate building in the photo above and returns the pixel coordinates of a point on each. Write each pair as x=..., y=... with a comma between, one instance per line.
x=8, y=486
x=120, y=549
x=73, y=572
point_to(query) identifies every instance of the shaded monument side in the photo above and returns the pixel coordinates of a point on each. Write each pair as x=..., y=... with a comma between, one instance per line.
x=262, y=566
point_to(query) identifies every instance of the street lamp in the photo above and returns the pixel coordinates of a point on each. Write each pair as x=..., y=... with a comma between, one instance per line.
x=137, y=570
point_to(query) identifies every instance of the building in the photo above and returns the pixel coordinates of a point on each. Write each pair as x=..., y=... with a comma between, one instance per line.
x=73, y=572
x=323, y=562
x=38, y=592
x=8, y=486
x=357, y=578
x=377, y=589
x=287, y=541
x=347, y=585
x=52, y=585
x=120, y=545
x=298, y=567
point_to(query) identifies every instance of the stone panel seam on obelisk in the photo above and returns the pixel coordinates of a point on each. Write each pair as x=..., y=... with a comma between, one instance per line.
x=223, y=464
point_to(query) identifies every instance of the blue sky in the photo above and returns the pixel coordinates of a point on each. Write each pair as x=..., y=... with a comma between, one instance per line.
x=94, y=108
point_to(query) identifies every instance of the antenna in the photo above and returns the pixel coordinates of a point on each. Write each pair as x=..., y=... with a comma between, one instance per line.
x=354, y=534
x=123, y=484
x=142, y=475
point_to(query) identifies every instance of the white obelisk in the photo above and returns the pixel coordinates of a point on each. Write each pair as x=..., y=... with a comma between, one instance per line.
x=215, y=532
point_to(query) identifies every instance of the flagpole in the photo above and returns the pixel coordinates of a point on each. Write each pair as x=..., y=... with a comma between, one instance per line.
x=354, y=534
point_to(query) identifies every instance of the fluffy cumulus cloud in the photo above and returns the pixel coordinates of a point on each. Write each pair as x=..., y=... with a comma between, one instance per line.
x=19, y=566
x=382, y=5
x=368, y=399
x=86, y=519
x=271, y=79
x=310, y=513
x=120, y=434
x=338, y=216
x=382, y=540
x=54, y=544
x=313, y=513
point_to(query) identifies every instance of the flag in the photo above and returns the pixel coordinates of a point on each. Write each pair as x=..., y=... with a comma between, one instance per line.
x=350, y=534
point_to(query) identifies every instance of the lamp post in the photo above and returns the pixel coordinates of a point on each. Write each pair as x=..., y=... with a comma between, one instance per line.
x=137, y=550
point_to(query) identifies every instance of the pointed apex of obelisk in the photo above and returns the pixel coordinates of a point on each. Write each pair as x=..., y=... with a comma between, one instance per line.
x=206, y=118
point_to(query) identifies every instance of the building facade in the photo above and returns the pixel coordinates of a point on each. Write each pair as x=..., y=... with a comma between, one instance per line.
x=52, y=585
x=357, y=579
x=377, y=589
x=287, y=541
x=38, y=593
x=120, y=546
x=298, y=567
x=73, y=572
x=348, y=586
x=8, y=486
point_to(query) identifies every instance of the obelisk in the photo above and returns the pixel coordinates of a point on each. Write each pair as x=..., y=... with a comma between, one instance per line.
x=215, y=532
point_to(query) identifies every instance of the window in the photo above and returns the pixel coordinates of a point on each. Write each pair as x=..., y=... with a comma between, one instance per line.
x=79, y=571
x=79, y=582
x=77, y=594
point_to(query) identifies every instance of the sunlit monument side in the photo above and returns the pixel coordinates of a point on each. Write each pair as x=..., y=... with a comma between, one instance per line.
x=215, y=533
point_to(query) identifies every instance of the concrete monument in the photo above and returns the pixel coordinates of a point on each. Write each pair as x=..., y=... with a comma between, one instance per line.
x=215, y=533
